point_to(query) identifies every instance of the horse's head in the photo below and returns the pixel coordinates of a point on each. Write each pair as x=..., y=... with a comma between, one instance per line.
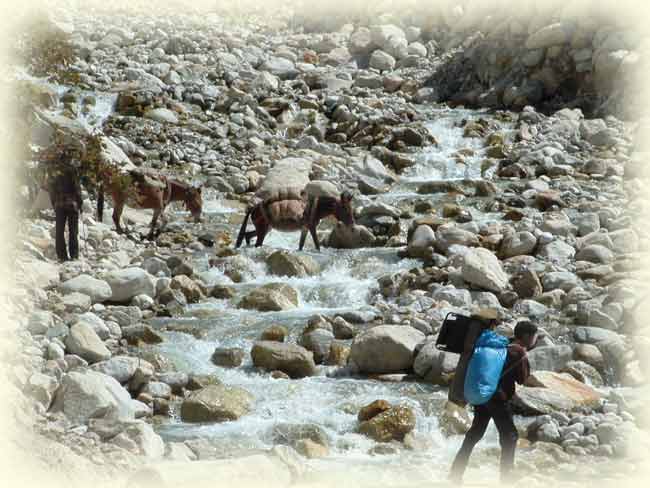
x=194, y=202
x=344, y=211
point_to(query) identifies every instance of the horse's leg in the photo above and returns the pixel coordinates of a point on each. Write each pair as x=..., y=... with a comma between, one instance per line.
x=249, y=235
x=303, y=238
x=314, y=236
x=118, y=207
x=156, y=214
x=262, y=230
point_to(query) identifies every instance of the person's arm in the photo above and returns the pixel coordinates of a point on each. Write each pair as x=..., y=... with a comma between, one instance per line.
x=522, y=371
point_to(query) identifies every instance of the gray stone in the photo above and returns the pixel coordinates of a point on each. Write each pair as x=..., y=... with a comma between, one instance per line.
x=84, y=342
x=98, y=290
x=130, y=282
x=385, y=349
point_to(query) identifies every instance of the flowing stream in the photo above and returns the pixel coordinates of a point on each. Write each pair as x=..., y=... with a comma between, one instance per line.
x=346, y=282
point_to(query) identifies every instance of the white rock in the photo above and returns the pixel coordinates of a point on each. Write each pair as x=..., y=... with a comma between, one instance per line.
x=130, y=282
x=482, y=268
x=97, y=290
x=122, y=368
x=89, y=394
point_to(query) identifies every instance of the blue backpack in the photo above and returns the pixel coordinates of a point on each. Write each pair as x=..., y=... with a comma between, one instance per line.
x=485, y=367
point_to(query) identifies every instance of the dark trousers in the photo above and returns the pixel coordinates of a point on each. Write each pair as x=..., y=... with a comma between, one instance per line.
x=71, y=218
x=501, y=413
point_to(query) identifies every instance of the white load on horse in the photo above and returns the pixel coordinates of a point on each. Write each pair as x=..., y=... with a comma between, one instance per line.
x=288, y=201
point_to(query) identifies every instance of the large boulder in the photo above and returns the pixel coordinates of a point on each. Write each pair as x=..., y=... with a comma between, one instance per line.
x=483, y=269
x=283, y=263
x=385, y=349
x=349, y=237
x=294, y=360
x=130, y=282
x=89, y=394
x=546, y=392
x=272, y=297
x=435, y=366
x=84, y=342
x=97, y=290
x=216, y=403
x=393, y=424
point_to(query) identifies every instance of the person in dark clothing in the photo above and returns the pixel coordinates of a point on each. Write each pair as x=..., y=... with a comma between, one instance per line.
x=498, y=408
x=65, y=194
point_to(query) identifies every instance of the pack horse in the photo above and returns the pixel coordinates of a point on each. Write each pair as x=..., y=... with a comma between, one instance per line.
x=293, y=214
x=150, y=191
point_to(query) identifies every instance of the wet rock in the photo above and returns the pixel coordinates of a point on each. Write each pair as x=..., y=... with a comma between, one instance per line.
x=190, y=289
x=271, y=297
x=277, y=333
x=392, y=424
x=454, y=419
x=141, y=332
x=319, y=342
x=373, y=409
x=435, y=366
x=84, y=342
x=385, y=349
x=89, y=394
x=350, y=237
x=282, y=263
x=291, y=434
x=130, y=282
x=294, y=360
x=98, y=290
x=342, y=329
x=201, y=381
x=216, y=403
x=482, y=268
x=228, y=357
x=310, y=449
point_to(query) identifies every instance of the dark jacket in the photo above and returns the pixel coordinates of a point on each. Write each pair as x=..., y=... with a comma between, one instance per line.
x=65, y=190
x=515, y=369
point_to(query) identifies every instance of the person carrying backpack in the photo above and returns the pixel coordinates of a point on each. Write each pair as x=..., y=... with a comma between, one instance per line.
x=497, y=405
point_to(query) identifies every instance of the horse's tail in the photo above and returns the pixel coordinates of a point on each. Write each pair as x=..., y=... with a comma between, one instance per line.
x=242, y=231
x=100, y=202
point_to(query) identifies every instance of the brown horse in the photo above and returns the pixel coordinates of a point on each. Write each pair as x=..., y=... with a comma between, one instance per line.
x=294, y=215
x=147, y=191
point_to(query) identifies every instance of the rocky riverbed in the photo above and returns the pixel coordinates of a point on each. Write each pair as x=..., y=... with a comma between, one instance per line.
x=308, y=363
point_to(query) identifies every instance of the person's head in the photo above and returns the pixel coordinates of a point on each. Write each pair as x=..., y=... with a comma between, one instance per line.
x=526, y=333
